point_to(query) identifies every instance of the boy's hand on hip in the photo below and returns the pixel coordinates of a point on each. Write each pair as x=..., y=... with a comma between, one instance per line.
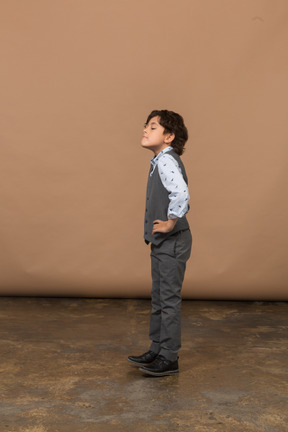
x=163, y=226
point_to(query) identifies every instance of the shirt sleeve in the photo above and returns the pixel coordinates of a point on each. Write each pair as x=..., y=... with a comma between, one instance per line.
x=173, y=181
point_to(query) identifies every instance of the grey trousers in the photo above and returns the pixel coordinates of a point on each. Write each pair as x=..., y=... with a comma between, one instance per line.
x=168, y=264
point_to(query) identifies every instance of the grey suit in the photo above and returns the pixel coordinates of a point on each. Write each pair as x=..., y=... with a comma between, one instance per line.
x=169, y=254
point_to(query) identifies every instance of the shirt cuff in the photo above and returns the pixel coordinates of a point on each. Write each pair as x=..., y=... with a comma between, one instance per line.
x=173, y=215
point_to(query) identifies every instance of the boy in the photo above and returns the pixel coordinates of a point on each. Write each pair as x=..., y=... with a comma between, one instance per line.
x=167, y=229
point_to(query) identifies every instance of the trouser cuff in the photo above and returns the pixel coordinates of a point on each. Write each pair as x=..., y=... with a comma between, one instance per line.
x=155, y=347
x=169, y=355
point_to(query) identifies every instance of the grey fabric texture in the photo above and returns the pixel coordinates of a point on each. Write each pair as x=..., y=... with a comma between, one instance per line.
x=157, y=201
x=168, y=264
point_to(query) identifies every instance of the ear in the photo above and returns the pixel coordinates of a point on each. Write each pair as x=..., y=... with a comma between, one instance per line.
x=169, y=138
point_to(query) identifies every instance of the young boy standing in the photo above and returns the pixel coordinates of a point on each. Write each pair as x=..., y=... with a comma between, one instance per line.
x=167, y=229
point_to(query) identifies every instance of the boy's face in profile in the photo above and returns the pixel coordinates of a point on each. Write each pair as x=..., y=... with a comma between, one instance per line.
x=154, y=137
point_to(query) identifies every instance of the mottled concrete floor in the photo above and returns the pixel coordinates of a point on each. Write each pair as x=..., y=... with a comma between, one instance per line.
x=63, y=368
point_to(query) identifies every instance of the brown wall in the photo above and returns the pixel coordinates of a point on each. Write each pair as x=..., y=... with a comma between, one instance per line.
x=78, y=80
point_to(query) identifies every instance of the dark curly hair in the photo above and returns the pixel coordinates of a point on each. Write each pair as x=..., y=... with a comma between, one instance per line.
x=173, y=123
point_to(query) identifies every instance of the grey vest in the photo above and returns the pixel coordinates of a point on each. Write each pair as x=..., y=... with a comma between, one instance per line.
x=157, y=202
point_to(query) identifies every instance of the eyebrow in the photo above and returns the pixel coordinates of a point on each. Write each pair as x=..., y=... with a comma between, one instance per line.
x=155, y=123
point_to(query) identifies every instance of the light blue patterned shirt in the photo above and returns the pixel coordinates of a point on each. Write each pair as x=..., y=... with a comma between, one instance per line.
x=173, y=181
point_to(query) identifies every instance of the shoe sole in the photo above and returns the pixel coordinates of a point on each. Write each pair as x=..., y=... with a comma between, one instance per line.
x=159, y=374
x=137, y=363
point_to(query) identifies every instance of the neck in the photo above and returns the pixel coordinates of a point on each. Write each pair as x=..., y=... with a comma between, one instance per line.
x=157, y=151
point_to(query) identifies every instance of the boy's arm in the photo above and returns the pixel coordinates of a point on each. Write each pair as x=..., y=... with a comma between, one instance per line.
x=163, y=226
x=172, y=179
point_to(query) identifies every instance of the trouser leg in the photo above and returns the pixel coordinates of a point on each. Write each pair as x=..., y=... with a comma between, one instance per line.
x=155, y=317
x=168, y=269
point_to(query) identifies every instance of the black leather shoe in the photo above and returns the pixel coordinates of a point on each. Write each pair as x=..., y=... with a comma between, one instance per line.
x=161, y=367
x=143, y=359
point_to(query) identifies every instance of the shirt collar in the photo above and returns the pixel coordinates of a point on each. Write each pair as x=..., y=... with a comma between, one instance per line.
x=155, y=160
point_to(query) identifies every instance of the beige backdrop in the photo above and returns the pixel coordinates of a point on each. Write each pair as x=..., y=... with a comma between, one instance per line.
x=78, y=78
